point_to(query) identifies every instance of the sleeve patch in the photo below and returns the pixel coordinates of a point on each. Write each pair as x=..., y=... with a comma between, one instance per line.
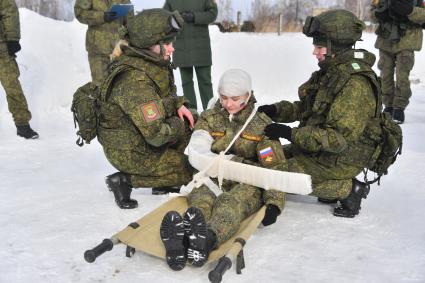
x=217, y=134
x=251, y=137
x=267, y=154
x=150, y=111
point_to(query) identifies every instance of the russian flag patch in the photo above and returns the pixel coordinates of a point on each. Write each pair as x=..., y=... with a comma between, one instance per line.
x=266, y=152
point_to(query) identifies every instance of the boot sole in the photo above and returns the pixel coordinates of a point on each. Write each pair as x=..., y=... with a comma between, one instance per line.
x=172, y=234
x=196, y=230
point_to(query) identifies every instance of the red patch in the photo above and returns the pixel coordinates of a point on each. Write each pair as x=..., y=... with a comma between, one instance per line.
x=150, y=111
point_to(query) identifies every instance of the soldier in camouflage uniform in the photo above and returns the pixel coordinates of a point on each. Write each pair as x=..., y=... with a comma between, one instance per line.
x=336, y=104
x=399, y=35
x=141, y=127
x=212, y=220
x=102, y=33
x=10, y=35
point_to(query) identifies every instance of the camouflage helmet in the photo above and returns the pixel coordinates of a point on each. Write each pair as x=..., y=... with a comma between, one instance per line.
x=152, y=26
x=337, y=28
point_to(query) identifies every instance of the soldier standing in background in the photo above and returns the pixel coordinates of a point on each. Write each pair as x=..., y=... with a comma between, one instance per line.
x=399, y=36
x=102, y=33
x=10, y=35
x=332, y=142
x=193, y=48
x=141, y=124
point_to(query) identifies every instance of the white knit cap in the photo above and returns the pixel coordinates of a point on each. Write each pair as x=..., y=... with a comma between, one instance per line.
x=235, y=82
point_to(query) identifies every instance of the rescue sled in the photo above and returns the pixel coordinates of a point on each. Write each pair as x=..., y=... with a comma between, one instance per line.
x=143, y=235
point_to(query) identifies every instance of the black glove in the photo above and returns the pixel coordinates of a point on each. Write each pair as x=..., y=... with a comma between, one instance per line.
x=269, y=110
x=13, y=46
x=382, y=16
x=402, y=7
x=275, y=131
x=272, y=211
x=188, y=16
x=110, y=16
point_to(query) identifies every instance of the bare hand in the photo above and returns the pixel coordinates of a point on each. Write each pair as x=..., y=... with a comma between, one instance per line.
x=183, y=112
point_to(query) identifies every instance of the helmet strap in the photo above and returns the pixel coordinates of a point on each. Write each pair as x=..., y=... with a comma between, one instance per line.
x=328, y=49
x=161, y=47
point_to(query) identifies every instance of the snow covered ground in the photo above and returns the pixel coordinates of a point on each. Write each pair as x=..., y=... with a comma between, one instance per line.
x=54, y=204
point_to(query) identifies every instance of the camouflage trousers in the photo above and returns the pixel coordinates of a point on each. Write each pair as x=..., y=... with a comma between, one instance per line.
x=328, y=182
x=225, y=213
x=17, y=103
x=396, y=94
x=203, y=76
x=171, y=168
x=98, y=66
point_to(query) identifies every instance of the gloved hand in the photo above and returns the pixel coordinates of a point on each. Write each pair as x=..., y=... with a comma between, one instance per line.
x=269, y=110
x=402, y=7
x=275, y=131
x=272, y=211
x=110, y=16
x=188, y=16
x=382, y=16
x=13, y=46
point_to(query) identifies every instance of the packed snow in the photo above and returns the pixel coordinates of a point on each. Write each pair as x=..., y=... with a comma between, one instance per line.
x=54, y=204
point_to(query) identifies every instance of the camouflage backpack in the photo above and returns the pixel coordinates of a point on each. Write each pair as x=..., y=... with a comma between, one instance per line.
x=85, y=110
x=389, y=147
x=386, y=134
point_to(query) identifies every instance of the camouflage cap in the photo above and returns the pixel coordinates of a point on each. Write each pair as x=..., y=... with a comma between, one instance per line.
x=341, y=27
x=152, y=26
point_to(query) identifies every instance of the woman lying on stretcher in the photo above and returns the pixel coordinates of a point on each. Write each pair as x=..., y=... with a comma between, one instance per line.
x=213, y=218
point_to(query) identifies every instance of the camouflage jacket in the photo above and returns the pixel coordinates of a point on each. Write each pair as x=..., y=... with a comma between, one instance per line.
x=9, y=24
x=249, y=147
x=193, y=46
x=336, y=105
x=100, y=37
x=138, y=109
x=412, y=38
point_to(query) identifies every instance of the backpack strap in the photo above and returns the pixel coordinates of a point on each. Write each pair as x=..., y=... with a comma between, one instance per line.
x=105, y=87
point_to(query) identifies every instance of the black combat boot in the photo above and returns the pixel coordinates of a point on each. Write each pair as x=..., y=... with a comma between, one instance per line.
x=172, y=235
x=350, y=206
x=120, y=184
x=25, y=131
x=201, y=241
x=398, y=116
x=165, y=190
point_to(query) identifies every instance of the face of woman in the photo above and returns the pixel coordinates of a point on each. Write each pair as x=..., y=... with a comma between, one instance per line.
x=168, y=50
x=234, y=104
x=320, y=52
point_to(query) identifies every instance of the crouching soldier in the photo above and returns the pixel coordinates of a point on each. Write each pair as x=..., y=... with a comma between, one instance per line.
x=142, y=124
x=335, y=106
x=211, y=220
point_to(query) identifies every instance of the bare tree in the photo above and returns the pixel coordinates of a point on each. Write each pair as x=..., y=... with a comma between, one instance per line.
x=225, y=11
x=262, y=15
x=296, y=10
x=359, y=7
